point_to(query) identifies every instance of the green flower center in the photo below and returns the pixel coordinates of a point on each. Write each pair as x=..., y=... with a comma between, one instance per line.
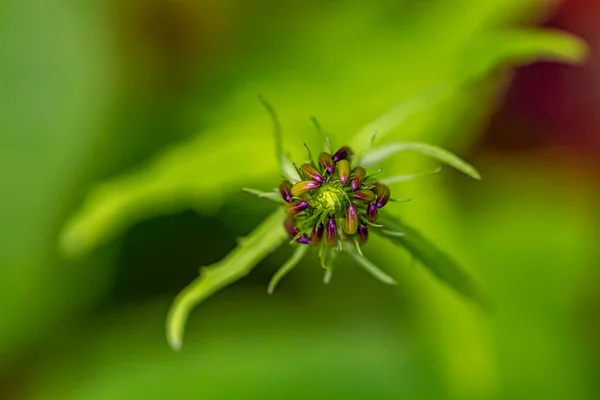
x=330, y=197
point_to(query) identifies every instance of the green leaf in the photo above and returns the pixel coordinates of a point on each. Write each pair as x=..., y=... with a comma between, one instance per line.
x=370, y=267
x=287, y=267
x=170, y=182
x=482, y=55
x=438, y=262
x=374, y=157
x=409, y=177
x=286, y=167
x=273, y=196
x=238, y=263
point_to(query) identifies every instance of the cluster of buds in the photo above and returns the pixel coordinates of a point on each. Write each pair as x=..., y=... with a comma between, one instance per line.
x=334, y=202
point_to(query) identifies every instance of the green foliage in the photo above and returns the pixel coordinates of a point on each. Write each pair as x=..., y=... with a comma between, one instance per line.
x=251, y=250
x=94, y=135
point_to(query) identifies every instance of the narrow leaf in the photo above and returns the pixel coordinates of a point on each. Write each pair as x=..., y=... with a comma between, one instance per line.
x=286, y=167
x=238, y=263
x=287, y=267
x=273, y=196
x=376, y=156
x=408, y=177
x=370, y=267
x=438, y=262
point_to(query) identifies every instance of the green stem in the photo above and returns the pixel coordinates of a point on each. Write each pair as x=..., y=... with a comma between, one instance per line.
x=238, y=263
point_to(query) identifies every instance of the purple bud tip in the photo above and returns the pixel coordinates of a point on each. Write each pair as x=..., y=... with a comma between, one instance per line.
x=342, y=154
x=297, y=206
x=331, y=233
x=358, y=177
x=286, y=191
x=290, y=228
x=304, y=186
x=351, y=220
x=327, y=162
x=383, y=194
x=372, y=212
x=317, y=234
x=364, y=195
x=310, y=172
x=363, y=234
x=343, y=167
x=303, y=239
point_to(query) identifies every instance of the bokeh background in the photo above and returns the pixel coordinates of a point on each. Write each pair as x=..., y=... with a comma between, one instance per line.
x=127, y=129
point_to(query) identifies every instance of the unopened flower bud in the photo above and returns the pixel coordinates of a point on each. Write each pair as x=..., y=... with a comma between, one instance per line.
x=286, y=191
x=311, y=172
x=358, y=177
x=383, y=194
x=351, y=223
x=364, y=195
x=303, y=186
x=343, y=167
x=342, y=154
x=327, y=162
x=372, y=212
x=363, y=234
x=296, y=207
x=317, y=234
x=331, y=233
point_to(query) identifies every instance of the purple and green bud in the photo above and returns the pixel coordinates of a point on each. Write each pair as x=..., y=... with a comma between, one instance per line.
x=303, y=239
x=358, y=177
x=296, y=207
x=383, y=194
x=364, y=195
x=342, y=154
x=351, y=223
x=290, y=228
x=335, y=202
x=286, y=191
x=331, y=233
x=343, y=167
x=311, y=172
x=372, y=213
x=303, y=187
x=327, y=162
x=363, y=234
x=317, y=234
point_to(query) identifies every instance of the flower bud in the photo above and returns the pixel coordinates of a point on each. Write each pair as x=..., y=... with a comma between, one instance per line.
x=351, y=223
x=331, y=233
x=290, y=228
x=286, y=191
x=311, y=172
x=327, y=162
x=363, y=234
x=317, y=234
x=342, y=154
x=383, y=194
x=343, y=167
x=358, y=177
x=364, y=195
x=296, y=207
x=303, y=239
x=303, y=186
x=372, y=212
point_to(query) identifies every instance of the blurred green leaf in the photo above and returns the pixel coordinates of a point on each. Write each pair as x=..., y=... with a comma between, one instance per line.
x=438, y=262
x=483, y=54
x=237, y=264
x=170, y=184
x=376, y=156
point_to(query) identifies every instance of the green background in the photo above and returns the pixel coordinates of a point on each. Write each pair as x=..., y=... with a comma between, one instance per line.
x=128, y=129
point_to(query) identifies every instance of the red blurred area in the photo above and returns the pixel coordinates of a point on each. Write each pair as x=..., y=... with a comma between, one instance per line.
x=551, y=104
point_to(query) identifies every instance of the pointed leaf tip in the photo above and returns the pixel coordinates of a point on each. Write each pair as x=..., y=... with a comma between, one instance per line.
x=378, y=155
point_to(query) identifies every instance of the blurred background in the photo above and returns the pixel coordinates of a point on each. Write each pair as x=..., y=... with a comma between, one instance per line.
x=129, y=127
